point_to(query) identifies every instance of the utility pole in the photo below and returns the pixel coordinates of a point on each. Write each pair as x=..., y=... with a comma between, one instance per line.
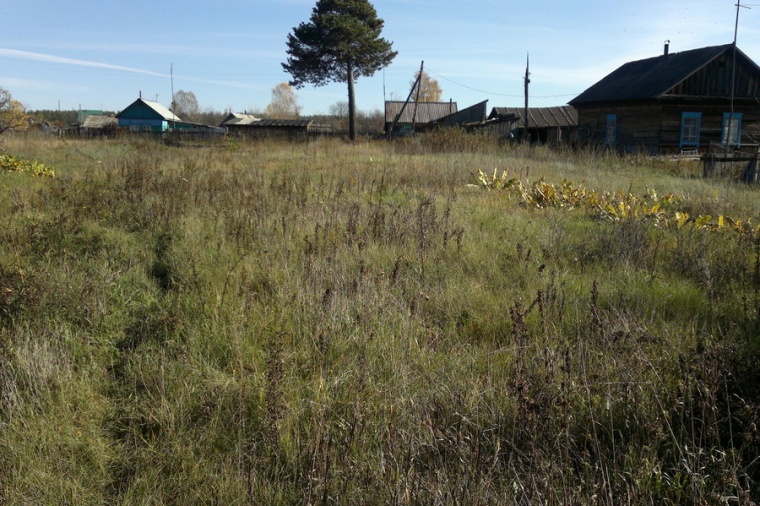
x=417, y=96
x=398, y=116
x=733, y=76
x=526, y=133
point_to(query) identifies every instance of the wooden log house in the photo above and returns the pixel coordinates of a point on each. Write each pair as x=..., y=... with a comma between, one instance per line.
x=674, y=103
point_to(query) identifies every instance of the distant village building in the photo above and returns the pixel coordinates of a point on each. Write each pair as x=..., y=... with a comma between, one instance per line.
x=673, y=103
x=98, y=123
x=238, y=119
x=82, y=114
x=249, y=125
x=147, y=116
x=46, y=127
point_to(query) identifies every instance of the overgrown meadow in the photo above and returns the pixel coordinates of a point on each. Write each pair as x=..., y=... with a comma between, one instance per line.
x=327, y=323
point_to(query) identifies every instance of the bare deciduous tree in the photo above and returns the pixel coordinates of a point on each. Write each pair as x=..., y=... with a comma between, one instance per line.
x=185, y=105
x=339, y=109
x=371, y=122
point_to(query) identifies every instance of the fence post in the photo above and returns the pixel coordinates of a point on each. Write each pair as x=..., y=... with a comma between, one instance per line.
x=708, y=162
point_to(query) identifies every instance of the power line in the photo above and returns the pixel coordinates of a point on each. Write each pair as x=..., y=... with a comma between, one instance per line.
x=497, y=94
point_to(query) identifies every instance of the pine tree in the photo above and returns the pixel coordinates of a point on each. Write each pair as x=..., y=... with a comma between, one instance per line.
x=340, y=43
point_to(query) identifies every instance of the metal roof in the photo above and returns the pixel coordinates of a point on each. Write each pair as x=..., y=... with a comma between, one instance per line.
x=162, y=111
x=236, y=119
x=272, y=122
x=99, y=121
x=539, y=117
x=422, y=112
x=239, y=119
x=652, y=77
x=467, y=116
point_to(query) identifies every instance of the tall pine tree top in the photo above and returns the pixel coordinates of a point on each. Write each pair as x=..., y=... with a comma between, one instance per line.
x=340, y=42
x=341, y=34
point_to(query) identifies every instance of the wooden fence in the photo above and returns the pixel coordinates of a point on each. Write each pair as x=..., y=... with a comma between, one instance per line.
x=725, y=161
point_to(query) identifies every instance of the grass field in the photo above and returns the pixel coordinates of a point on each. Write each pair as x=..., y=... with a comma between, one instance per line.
x=326, y=323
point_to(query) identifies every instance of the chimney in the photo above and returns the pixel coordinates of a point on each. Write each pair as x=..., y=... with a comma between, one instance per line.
x=667, y=48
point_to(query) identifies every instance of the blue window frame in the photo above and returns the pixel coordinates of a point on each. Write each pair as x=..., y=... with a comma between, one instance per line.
x=732, y=129
x=691, y=124
x=611, y=132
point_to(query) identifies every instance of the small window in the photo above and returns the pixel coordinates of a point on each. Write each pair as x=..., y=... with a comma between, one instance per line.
x=611, y=135
x=691, y=123
x=732, y=129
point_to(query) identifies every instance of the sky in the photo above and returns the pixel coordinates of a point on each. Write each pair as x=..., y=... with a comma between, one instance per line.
x=88, y=54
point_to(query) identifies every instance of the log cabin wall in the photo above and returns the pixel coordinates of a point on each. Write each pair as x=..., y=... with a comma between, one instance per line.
x=638, y=126
x=655, y=127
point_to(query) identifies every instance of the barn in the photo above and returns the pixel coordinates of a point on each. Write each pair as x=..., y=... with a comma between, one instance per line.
x=674, y=103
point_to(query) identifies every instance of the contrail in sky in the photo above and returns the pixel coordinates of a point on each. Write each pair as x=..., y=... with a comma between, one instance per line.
x=28, y=55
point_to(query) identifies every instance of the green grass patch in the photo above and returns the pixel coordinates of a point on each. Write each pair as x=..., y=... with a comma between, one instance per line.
x=326, y=323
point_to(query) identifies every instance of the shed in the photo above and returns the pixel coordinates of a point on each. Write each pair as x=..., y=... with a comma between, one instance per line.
x=548, y=125
x=675, y=102
x=407, y=115
x=472, y=116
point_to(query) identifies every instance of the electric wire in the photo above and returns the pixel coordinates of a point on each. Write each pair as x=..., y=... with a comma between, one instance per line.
x=494, y=93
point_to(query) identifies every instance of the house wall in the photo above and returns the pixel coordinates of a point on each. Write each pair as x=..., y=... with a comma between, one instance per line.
x=711, y=128
x=139, y=116
x=153, y=125
x=655, y=127
x=638, y=126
